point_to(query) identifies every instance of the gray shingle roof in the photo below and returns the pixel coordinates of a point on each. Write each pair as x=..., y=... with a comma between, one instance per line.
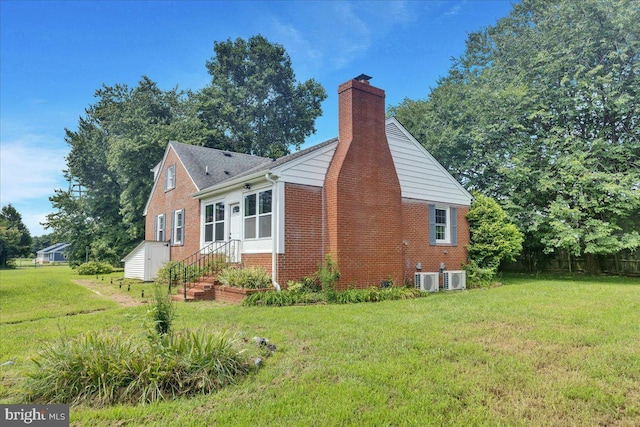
x=282, y=160
x=209, y=166
x=58, y=247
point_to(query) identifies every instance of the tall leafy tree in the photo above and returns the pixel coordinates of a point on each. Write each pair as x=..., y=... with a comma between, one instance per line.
x=254, y=104
x=15, y=239
x=542, y=112
x=121, y=137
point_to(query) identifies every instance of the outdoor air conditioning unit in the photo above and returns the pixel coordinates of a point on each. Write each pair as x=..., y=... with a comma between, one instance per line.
x=454, y=280
x=428, y=282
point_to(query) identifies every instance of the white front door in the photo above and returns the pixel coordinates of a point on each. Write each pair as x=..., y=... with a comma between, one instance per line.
x=234, y=230
x=234, y=221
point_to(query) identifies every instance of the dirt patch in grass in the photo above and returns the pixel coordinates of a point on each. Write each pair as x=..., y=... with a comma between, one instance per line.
x=121, y=299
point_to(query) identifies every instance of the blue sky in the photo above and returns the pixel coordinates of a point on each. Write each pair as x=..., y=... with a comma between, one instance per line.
x=54, y=55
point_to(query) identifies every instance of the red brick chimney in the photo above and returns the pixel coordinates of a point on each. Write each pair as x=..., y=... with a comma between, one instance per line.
x=363, y=202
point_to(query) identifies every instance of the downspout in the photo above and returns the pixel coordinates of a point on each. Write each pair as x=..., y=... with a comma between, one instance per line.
x=276, y=234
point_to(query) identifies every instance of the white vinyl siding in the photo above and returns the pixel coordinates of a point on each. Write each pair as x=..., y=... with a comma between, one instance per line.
x=421, y=176
x=310, y=169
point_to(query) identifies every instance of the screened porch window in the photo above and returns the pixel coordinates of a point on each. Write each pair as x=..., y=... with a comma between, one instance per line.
x=214, y=222
x=257, y=215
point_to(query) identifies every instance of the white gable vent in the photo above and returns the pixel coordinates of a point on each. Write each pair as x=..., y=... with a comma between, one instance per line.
x=427, y=282
x=454, y=280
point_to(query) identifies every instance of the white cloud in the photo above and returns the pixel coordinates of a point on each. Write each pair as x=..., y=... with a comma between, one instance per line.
x=453, y=11
x=332, y=35
x=30, y=170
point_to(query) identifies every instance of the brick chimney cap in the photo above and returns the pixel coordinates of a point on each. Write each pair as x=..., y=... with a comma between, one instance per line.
x=363, y=78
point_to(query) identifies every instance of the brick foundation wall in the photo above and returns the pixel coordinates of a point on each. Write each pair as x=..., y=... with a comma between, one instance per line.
x=169, y=201
x=258, y=260
x=416, y=247
x=303, y=234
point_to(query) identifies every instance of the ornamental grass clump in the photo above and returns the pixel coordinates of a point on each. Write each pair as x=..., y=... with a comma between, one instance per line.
x=100, y=369
x=246, y=278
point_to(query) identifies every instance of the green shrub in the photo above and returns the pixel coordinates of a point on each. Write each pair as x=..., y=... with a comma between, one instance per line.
x=94, y=267
x=247, y=278
x=163, y=273
x=296, y=287
x=100, y=370
x=494, y=238
x=478, y=277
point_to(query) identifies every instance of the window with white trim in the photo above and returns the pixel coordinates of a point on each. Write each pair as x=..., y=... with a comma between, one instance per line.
x=178, y=227
x=214, y=222
x=160, y=228
x=170, y=178
x=257, y=215
x=442, y=225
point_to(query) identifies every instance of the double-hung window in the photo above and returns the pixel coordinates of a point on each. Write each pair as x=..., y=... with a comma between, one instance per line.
x=178, y=227
x=443, y=225
x=170, y=178
x=257, y=215
x=214, y=222
x=160, y=228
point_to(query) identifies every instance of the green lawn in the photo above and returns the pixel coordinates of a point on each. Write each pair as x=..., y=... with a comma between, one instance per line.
x=547, y=351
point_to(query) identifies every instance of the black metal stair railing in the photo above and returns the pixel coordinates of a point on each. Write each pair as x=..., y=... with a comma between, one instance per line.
x=203, y=264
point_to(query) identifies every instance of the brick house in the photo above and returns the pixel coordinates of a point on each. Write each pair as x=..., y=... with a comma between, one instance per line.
x=373, y=198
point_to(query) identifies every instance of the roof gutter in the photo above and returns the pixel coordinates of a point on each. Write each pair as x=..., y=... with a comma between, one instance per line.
x=236, y=182
x=276, y=234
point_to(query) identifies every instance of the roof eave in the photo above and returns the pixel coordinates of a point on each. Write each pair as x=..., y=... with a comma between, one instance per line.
x=227, y=185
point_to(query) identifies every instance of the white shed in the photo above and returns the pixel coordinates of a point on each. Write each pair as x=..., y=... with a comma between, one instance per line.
x=144, y=261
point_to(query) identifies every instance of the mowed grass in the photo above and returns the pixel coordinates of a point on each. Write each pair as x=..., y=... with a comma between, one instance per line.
x=28, y=294
x=548, y=351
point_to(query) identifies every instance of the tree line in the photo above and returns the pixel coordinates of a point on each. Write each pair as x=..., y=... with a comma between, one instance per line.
x=542, y=113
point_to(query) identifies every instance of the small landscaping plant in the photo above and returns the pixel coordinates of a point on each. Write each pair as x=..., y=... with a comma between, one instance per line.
x=246, y=278
x=163, y=312
x=93, y=268
x=328, y=274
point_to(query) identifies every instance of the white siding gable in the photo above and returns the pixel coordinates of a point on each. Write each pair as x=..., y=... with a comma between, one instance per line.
x=309, y=169
x=421, y=176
